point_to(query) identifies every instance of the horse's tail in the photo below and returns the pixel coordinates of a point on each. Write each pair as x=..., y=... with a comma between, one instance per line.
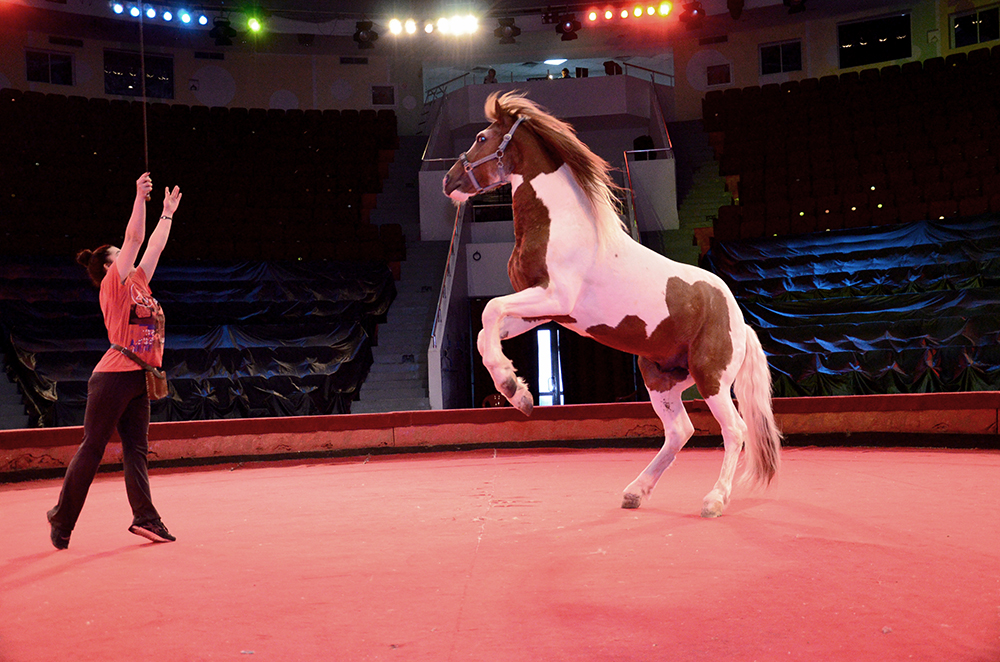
x=753, y=393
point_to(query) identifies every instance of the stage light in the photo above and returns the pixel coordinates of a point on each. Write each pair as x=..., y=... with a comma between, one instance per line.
x=568, y=27
x=184, y=15
x=637, y=12
x=507, y=31
x=735, y=8
x=624, y=13
x=555, y=62
x=151, y=12
x=592, y=16
x=134, y=11
x=254, y=24
x=395, y=26
x=428, y=27
x=365, y=34
x=118, y=8
x=222, y=32
x=410, y=26
x=665, y=8
x=650, y=11
x=795, y=6
x=693, y=15
x=608, y=14
x=458, y=25
x=168, y=16
x=203, y=20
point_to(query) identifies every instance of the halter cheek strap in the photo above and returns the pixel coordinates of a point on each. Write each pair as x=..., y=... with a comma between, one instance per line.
x=498, y=155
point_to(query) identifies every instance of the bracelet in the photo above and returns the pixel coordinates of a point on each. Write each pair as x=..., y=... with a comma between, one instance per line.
x=169, y=218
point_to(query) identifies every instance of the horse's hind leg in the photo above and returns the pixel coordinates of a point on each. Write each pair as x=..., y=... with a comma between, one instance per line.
x=734, y=431
x=665, y=389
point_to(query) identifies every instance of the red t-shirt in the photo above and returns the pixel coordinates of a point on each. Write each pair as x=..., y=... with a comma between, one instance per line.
x=134, y=320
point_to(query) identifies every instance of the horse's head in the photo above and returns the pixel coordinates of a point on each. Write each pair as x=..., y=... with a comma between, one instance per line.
x=489, y=163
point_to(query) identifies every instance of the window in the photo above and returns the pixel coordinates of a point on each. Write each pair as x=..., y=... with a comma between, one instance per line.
x=383, y=95
x=549, y=369
x=877, y=40
x=55, y=68
x=719, y=74
x=975, y=27
x=781, y=58
x=122, y=71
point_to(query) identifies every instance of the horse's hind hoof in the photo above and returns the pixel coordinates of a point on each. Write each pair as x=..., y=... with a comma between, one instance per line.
x=631, y=501
x=711, y=510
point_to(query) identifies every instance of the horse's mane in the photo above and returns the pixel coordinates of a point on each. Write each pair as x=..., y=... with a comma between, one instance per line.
x=591, y=171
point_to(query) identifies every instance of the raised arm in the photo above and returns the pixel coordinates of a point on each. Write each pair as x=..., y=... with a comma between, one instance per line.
x=135, y=231
x=158, y=240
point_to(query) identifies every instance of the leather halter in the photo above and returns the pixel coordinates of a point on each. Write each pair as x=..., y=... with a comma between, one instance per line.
x=498, y=155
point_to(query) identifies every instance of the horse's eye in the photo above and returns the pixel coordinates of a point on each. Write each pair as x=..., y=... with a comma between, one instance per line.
x=480, y=139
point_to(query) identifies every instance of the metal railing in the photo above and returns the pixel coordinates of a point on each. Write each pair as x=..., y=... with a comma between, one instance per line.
x=653, y=73
x=439, y=91
x=444, y=296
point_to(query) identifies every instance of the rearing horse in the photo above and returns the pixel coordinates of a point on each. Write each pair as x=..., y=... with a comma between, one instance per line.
x=574, y=264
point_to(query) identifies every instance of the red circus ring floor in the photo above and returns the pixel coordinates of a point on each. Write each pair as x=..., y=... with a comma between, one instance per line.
x=521, y=553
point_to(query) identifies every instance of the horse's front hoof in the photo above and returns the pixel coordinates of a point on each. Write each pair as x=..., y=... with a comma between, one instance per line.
x=524, y=403
x=631, y=501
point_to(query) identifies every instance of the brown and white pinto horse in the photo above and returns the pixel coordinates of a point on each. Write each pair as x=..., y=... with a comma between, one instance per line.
x=574, y=264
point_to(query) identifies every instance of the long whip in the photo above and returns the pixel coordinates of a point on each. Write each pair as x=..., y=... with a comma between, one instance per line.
x=142, y=68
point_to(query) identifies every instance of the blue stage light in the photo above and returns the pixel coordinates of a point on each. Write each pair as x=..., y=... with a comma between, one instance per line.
x=133, y=11
x=118, y=8
x=150, y=12
x=184, y=15
x=167, y=16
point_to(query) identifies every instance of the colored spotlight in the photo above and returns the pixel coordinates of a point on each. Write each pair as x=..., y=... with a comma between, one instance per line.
x=395, y=26
x=650, y=10
x=665, y=8
x=185, y=16
x=624, y=13
x=638, y=12
x=608, y=14
x=592, y=16
x=151, y=12
x=118, y=8
x=203, y=20
x=134, y=12
x=167, y=16
x=254, y=24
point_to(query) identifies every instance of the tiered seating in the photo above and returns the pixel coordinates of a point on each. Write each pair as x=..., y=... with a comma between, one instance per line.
x=257, y=184
x=878, y=147
x=902, y=309
x=244, y=339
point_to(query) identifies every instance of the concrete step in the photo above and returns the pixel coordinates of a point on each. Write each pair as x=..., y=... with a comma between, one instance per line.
x=385, y=405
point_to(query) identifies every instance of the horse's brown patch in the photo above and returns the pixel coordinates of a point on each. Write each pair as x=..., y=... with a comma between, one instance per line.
x=526, y=266
x=694, y=338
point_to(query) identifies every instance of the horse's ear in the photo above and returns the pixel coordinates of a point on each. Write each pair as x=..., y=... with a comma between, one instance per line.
x=497, y=108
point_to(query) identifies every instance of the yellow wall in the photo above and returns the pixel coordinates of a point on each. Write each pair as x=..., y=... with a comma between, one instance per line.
x=287, y=75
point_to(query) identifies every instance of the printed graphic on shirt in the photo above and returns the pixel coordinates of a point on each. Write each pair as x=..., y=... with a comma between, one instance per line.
x=146, y=313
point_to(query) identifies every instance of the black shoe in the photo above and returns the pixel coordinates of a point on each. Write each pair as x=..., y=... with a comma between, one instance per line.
x=154, y=531
x=60, y=538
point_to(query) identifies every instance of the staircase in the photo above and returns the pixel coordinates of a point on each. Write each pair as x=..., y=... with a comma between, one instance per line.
x=700, y=193
x=12, y=412
x=398, y=377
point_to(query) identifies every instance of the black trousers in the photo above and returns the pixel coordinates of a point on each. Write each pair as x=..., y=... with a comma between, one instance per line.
x=114, y=400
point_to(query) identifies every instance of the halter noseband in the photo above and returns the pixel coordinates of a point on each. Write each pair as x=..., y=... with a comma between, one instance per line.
x=498, y=155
